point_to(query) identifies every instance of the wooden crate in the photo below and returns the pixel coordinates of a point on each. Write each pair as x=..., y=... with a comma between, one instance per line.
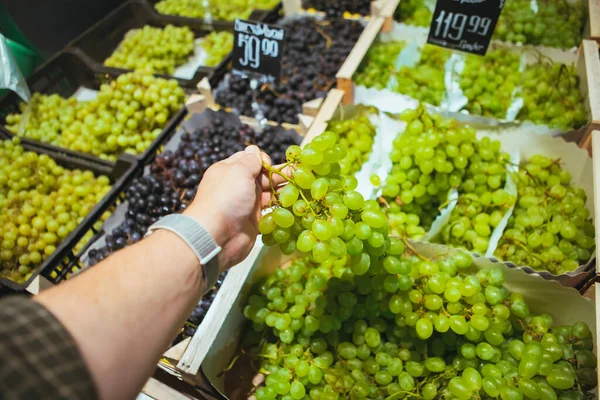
x=196, y=103
x=592, y=24
x=588, y=68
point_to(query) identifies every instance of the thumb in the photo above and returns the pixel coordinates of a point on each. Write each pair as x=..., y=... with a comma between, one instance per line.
x=252, y=160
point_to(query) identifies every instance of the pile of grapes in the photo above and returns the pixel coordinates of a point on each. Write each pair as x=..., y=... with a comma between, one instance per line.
x=217, y=45
x=376, y=68
x=356, y=135
x=126, y=116
x=434, y=156
x=414, y=12
x=340, y=8
x=314, y=52
x=423, y=81
x=153, y=50
x=489, y=82
x=363, y=315
x=174, y=178
x=551, y=96
x=41, y=203
x=216, y=9
x=432, y=328
x=556, y=23
x=550, y=228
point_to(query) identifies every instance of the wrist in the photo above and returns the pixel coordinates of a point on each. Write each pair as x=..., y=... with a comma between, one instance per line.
x=211, y=223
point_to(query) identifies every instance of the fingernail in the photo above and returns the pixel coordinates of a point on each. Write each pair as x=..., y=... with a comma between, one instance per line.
x=265, y=158
x=252, y=149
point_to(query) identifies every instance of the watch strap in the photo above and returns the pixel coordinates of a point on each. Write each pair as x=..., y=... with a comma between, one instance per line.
x=199, y=241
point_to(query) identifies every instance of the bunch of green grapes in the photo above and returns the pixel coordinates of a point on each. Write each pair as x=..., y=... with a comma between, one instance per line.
x=126, y=116
x=550, y=228
x=154, y=50
x=482, y=202
x=551, y=96
x=356, y=135
x=319, y=212
x=217, y=45
x=41, y=203
x=416, y=328
x=488, y=82
x=378, y=64
x=414, y=12
x=428, y=159
x=219, y=10
x=424, y=81
x=557, y=23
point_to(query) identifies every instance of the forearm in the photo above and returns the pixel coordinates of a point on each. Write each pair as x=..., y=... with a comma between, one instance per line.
x=141, y=296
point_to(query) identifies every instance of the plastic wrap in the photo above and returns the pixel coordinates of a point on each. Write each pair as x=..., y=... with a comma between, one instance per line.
x=10, y=75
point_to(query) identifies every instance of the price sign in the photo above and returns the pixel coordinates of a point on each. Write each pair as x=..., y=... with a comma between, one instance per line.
x=258, y=49
x=465, y=25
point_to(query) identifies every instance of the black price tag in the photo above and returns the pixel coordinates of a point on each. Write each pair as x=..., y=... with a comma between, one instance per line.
x=258, y=49
x=465, y=25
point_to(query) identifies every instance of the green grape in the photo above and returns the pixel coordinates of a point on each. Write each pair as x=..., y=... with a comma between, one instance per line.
x=488, y=82
x=154, y=50
x=555, y=24
x=356, y=135
x=375, y=70
x=217, y=45
x=42, y=204
x=219, y=10
x=548, y=203
x=559, y=104
x=414, y=12
x=126, y=116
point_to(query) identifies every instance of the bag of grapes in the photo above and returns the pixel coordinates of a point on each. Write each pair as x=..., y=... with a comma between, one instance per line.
x=449, y=326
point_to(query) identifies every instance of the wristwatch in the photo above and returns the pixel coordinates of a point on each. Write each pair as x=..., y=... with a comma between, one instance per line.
x=199, y=241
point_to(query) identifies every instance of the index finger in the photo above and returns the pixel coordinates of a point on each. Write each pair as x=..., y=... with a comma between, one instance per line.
x=276, y=178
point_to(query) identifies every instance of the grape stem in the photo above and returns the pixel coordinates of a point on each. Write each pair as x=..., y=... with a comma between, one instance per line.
x=279, y=172
x=411, y=247
x=408, y=394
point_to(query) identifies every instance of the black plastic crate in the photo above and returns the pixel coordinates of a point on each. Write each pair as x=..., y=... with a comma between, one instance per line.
x=64, y=74
x=101, y=40
x=56, y=266
x=262, y=15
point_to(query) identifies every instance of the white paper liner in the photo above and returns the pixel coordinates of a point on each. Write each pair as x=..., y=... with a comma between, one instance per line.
x=454, y=98
x=371, y=166
x=196, y=60
x=443, y=218
x=84, y=94
x=565, y=305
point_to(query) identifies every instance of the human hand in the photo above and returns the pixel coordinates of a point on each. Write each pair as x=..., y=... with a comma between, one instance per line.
x=228, y=203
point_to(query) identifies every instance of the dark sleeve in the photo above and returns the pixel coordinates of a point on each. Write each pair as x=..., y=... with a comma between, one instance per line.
x=39, y=359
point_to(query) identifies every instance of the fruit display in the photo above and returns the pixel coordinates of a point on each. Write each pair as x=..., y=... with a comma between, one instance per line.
x=552, y=23
x=313, y=53
x=379, y=70
x=217, y=45
x=174, y=177
x=429, y=329
x=340, y=8
x=42, y=203
x=127, y=115
x=489, y=82
x=356, y=135
x=424, y=81
x=215, y=9
x=414, y=12
x=154, y=50
x=550, y=228
x=552, y=96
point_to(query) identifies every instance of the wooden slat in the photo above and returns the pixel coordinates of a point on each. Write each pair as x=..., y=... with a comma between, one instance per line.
x=594, y=19
x=195, y=104
x=360, y=48
x=331, y=103
x=159, y=391
x=206, y=90
x=311, y=108
x=598, y=326
x=291, y=7
x=588, y=69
